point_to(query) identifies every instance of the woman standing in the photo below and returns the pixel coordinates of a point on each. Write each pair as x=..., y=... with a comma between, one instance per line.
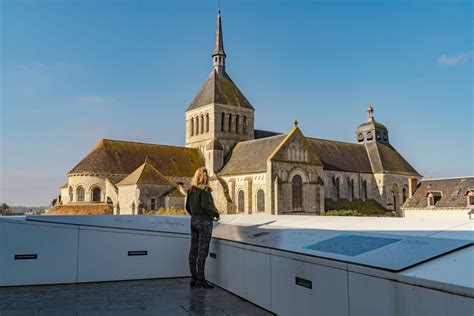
x=200, y=205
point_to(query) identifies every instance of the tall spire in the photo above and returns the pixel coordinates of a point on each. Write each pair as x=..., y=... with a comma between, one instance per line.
x=218, y=57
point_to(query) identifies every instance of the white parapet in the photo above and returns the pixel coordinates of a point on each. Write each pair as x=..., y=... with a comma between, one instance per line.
x=290, y=265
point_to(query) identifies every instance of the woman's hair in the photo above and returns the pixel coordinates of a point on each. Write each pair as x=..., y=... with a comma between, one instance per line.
x=200, y=177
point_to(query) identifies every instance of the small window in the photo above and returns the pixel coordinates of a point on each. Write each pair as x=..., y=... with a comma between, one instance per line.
x=241, y=201
x=370, y=136
x=153, y=204
x=260, y=201
x=360, y=137
x=207, y=123
x=192, y=127
x=96, y=192
x=80, y=194
x=222, y=121
x=433, y=198
x=237, y=119
x=470, y=200
x=337, y=187
x=230, y=124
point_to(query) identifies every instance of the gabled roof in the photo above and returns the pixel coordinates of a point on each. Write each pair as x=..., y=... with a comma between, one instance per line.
x=122, y=157
x=295, y=135
x=386, y=159
x=340, y=156
x=452, y=193
x=219, y=88
x=251, y=156
x=145, y=174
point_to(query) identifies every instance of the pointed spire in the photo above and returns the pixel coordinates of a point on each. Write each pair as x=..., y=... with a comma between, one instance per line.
x=218, y=57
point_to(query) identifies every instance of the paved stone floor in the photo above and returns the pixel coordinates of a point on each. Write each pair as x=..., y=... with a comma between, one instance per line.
x=143, y=297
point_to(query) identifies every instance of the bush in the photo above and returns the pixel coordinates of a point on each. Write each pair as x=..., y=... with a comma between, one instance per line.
x=344, y=213
x=163, y=211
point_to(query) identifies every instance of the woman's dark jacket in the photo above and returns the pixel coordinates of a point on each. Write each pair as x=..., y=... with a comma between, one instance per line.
x=199, y=202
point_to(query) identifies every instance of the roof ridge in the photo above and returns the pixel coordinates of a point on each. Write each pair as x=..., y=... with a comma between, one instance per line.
x=151, y=144
x=259, y=139
x=448, y=178
x=333, y=141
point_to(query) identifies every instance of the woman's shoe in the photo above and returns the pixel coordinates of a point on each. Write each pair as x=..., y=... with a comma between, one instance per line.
x=204, y=284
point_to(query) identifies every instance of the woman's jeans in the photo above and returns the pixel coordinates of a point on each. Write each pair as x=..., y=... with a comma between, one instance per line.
x=201, y=230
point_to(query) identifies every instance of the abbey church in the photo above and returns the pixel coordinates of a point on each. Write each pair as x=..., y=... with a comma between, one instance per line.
x=252, y=171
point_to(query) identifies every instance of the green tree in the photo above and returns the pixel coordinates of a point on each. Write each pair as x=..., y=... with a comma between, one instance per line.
x=4, y=209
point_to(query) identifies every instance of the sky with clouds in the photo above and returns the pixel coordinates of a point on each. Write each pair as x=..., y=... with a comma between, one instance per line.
x=73, y=72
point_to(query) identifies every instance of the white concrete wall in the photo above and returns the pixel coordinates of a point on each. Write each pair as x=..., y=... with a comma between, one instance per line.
x=439, y=213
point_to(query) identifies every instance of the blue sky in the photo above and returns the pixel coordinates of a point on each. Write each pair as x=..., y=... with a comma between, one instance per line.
x=73, y=72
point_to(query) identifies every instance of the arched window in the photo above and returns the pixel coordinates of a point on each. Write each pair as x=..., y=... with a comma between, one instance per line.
x=196, y=125
x=96, y=194
x=229, y=127
x=192, y=127
x=244, y=125
x=297, y=192
x=71, y=194
x=351, y=187
x=404, y=195
x=260, y=201
x=222, y=121
x=360, y=137
x=80, y=194
x=237, y=118
x=370, y=136
x=207, y=123
x=364, y=189
x=201, y=123
x=241, y=201
x=338, y=188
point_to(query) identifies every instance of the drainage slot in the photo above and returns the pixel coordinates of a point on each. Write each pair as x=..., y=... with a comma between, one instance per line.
x=26, y=257
x=138, y=253
x=304, y=283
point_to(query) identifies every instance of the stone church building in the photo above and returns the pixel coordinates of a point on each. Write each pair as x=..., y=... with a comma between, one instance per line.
x=253, y=171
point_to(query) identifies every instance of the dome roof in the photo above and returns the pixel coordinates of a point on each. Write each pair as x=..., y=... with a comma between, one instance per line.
x=370, y=126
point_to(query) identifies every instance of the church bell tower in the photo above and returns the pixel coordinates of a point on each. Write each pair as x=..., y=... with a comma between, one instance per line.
x=220, y=115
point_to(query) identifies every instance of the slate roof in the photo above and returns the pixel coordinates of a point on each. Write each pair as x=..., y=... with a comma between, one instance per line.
x=391, y=161
x=452, y=193
x=174, y=193
x=251, y=156
x=262, y=134
x=145, y=174
x=219, y=88
x=340, y=156
x=123, y=157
